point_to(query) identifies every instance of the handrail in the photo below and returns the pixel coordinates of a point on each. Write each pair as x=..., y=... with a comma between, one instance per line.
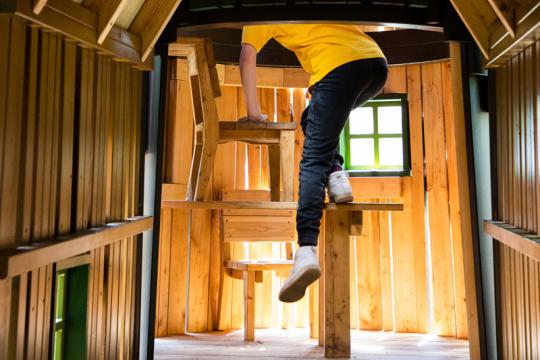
x=521, y=240
x=279, y=205
x=24, y=258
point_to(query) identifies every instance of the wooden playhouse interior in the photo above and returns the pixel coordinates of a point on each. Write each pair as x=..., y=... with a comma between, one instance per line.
x=139, y=219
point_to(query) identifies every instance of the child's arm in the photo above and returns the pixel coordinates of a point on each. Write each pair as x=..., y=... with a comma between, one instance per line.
x=248, y=66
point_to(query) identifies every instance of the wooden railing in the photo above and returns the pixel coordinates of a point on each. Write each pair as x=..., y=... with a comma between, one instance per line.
x=518, y=239
x=25, y=258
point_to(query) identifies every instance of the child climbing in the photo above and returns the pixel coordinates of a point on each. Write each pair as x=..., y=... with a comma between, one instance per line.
x=347, y=68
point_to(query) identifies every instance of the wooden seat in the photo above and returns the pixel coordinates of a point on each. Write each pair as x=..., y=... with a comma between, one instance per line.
x=210, y=132
x=254, y=225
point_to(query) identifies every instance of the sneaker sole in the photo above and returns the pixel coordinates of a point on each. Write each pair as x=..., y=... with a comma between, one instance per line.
x=343, y=199
x=297, y=288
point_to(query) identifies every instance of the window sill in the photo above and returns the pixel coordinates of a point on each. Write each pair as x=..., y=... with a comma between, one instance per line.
x=378, y=174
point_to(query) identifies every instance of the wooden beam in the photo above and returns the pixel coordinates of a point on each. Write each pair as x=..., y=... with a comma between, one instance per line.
x=281, y=205
x=400, y=47
x=38, y=5
x=518, y=239
x=504, y=11
x=464, y=199
x=267, y=77
x=151, y=21
x=26, y=258
x=473, y=14
x=108, y=12
x=527, y=31
x=81, y=24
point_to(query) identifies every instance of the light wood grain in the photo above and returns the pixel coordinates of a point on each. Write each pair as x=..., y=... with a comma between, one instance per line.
x=151, y=21
x=337, y=320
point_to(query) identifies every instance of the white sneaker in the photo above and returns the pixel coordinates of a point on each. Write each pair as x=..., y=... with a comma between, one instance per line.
x=305, y=271
x=339, y=187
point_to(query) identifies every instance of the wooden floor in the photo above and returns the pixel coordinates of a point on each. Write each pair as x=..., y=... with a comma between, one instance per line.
x=272, y=344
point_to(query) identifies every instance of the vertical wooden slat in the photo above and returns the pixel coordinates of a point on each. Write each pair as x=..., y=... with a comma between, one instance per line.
x=368, y=270
x=453, y=194
x=403, y=266
x=268, y=107
x=224, y=178
x=387, y=294
x=180, y=122
x=437, y=192
x=11, y=132
x=417, y=194
x=199, y=271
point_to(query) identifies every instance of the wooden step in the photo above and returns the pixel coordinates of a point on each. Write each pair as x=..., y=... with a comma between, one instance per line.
x=258, y=265
x=257, y=125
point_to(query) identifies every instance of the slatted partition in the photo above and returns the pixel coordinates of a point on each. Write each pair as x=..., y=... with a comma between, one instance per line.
x=518, y=84
x=392, y=286
x=70, y=136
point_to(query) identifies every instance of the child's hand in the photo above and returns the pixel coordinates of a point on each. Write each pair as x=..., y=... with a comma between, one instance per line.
x=260, y=117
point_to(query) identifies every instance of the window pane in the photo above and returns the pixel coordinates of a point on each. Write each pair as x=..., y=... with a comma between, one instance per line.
x=60, y=294
x=361, y=121
x=391, y=152
x=58, y=344
x=362, y=153
x=390, y=120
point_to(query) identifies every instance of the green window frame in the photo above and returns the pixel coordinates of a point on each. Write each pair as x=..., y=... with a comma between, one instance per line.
x=384, y=100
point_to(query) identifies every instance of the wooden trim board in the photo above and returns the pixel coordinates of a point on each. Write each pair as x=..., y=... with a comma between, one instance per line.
x=523, y=241
x=26, y=258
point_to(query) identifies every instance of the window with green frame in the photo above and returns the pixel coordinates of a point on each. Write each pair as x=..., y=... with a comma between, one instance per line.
x=375, y=140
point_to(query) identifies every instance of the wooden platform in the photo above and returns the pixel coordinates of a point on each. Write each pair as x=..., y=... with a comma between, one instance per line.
x=281, y=205
x=273, y=344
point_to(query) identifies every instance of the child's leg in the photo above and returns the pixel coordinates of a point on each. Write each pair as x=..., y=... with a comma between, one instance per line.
x=331, y=103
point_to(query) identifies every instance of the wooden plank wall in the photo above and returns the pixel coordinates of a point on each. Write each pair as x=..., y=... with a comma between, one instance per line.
x=391, y=287
x=518, y=86
x=70, y=137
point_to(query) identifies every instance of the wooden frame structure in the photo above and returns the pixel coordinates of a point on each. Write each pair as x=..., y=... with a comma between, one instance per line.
x=209, y=131
x=342, y=221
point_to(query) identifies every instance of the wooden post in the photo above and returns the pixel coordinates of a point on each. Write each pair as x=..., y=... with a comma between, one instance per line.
x=336, y=288
x=286, y=145
x=249, y=305
x=274, y=165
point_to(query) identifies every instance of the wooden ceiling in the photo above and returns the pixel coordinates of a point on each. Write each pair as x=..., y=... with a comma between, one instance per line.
x=500, y=28
x=125, y=29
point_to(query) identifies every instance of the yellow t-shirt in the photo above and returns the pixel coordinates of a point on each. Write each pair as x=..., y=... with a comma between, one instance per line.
x=320, y=48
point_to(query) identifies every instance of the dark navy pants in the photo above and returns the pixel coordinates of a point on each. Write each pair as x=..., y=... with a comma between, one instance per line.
x=332, y=100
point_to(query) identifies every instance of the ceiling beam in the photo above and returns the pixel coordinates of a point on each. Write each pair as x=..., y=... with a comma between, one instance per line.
x=473, y=15
x=38, y=5
x=505, y=13
x=383, y=15
x=527, y=31
x=151, y=21
x=108, y=12
x=81, y=24
x=399, y=46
